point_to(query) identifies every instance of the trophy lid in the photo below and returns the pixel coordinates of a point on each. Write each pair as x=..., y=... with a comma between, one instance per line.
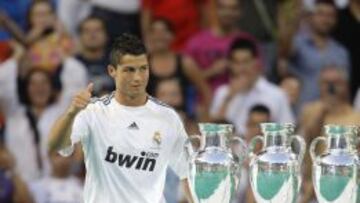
x=334, y=129
x=208, y=128
x=271, y=127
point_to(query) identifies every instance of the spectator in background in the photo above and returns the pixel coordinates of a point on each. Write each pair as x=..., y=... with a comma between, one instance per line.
x=291, y=85
x=167, y=64
x=314, y=48
x=61, y=186
x=47, y=41
x=16, y=10
x=209, y=48
x=259, y=19
x=13, y=188
x=187, y=17
x=258, y=114
x=120, y=16
x=332, y=107
x=347, y=32
x=170, y=91
x=93, y=43
x=246, y=88
x=72, y=13
x=31, y=100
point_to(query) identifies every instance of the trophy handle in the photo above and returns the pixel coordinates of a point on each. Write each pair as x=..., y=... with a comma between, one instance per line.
x=302, y=144
x=313, y=146
x=244, y=149
x=189, y=149
x=252, y=145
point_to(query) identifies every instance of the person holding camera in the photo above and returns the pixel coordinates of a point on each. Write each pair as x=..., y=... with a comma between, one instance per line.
x=333, y=107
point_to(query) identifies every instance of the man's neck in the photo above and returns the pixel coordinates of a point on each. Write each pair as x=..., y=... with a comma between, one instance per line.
x=93, y=54
x=135, y=101
x=320, y=40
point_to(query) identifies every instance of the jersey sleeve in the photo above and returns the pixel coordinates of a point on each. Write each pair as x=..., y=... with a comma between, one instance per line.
x=80, y=129
x=178, y=162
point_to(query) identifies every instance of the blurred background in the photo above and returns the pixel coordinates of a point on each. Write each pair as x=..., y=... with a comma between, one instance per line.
x=231, y=61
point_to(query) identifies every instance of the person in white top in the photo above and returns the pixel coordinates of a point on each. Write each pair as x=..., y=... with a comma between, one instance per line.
x=28, y=122
x=247, y=87
x=128, y=138
x=61, y=186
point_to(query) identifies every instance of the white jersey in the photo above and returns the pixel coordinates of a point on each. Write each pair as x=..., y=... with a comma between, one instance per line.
x=127, y=150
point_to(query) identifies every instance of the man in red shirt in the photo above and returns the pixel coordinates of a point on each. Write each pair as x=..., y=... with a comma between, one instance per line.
x=184, y=15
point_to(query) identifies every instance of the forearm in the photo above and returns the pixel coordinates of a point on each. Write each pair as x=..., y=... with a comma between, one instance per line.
x=145, y=22
x=61, y=131
x=21, y=193
x=14, y=30
x=209, y=73
x=187, y=191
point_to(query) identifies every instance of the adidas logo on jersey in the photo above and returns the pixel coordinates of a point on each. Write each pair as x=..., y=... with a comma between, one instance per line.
x=133, y=126
x=146, y=161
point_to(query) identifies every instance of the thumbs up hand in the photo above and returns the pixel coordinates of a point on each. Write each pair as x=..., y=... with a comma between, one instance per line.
x=81, y=100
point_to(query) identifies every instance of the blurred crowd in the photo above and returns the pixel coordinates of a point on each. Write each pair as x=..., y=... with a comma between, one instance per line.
x=242, y=62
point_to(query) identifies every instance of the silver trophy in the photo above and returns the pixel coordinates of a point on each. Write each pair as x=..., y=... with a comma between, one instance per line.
x=214, y=167
x=275, y=172
x=336, y=175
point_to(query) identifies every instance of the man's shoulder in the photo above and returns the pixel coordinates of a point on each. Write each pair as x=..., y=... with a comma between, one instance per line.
x=162, y=108
x=103, y=100
x=99, y=103
x=160, y=105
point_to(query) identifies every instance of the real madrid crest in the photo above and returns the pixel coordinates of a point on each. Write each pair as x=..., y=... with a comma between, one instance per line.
x=157, y=137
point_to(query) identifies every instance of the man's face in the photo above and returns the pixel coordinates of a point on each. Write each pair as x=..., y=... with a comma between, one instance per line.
x=228, y=12
x=323, y=18
x=169, y=91
x=243, y=64
x=131, y=75
x=160, y=36
x=93, y=35
x=253, y=124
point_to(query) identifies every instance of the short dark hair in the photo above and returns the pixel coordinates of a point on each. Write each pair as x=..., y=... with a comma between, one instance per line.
x=260, y=108
x=89, y=18
x=125, y=44
x=245, y=44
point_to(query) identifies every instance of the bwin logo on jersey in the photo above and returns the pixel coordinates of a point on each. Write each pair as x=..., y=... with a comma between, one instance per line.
x=146, y=161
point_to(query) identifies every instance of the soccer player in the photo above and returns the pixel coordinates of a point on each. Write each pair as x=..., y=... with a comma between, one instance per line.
x=128, y=137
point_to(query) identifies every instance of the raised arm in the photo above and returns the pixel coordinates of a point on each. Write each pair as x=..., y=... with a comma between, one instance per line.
x=61, y=131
